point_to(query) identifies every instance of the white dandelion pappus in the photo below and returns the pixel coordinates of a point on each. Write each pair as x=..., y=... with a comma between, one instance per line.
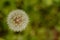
x=17, y=20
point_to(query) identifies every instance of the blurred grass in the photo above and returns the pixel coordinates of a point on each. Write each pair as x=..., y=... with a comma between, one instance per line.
x=44, y=16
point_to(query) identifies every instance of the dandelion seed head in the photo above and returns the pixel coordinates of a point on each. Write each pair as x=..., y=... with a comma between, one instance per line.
x=17, y=20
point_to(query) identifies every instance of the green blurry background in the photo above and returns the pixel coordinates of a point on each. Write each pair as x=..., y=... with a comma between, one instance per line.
x=44, y=18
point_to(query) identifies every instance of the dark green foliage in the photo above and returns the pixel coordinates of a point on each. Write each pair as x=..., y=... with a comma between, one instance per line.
x=44, y=19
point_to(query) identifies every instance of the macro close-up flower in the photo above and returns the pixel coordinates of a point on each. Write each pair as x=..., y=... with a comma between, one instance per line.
x=17, y=20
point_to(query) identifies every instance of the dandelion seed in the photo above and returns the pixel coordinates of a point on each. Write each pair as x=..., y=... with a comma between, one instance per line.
x=17, y=20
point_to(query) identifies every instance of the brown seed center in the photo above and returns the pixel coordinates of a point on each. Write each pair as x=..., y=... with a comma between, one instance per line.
x=18, y=20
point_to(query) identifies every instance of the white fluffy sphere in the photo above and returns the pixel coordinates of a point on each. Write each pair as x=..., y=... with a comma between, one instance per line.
x=17, y=20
